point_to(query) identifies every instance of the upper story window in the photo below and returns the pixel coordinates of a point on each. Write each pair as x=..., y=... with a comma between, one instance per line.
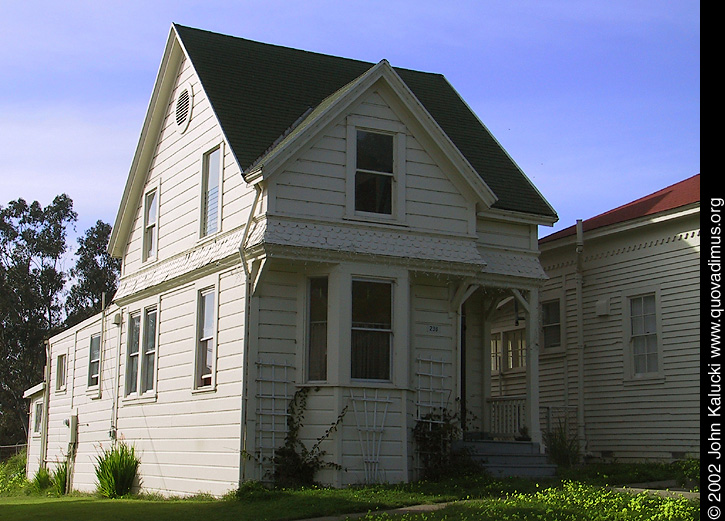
x=94, y=361
x=374, y=173
x=210, y=194
x=372, y=330
x=551, y=324
x=206, y=339
x=151, y=217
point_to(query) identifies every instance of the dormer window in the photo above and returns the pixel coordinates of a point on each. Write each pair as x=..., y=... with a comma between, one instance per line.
x=374, y=173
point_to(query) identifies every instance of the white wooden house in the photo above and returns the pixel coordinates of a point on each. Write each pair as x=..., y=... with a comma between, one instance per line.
x=293, y=219
x=620, y=349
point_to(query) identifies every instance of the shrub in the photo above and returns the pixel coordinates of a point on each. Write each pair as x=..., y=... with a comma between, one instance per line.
x=59, y=478
x=562, y=449
x=117, y=470
x=12, y=474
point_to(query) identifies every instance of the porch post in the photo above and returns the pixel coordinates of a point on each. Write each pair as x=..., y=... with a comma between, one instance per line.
x=532, y=367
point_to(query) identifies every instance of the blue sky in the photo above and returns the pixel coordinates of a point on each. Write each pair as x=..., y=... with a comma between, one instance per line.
x=597, y=102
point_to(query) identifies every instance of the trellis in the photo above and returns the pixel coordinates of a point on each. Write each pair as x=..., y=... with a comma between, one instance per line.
x=432, y=391
x=371, y=410
x=433, y=394
x=275, y=389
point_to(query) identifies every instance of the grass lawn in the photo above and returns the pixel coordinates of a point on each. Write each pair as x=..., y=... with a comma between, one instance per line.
x=478, y=498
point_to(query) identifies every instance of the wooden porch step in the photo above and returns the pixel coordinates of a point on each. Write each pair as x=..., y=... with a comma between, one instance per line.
x=509, y=458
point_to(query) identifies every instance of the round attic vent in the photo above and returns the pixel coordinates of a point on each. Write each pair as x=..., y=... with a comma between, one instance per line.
x=184, y=103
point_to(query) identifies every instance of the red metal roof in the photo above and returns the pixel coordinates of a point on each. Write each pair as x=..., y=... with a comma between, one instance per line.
x=679, y=194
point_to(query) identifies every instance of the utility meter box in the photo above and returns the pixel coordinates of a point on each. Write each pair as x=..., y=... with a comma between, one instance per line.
x=73, y=426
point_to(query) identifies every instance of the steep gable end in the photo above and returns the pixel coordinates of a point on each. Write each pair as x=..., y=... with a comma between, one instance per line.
x=258, y=91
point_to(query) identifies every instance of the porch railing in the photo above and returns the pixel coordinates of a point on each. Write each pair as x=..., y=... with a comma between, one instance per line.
x=508, y=416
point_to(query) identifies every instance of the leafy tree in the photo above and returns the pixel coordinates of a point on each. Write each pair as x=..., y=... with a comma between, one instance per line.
x=32, y=244
x=95, y=272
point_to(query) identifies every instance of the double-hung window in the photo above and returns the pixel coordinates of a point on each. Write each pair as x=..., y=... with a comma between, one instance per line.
x=151, y=218
x=551, y=324
x=374, y=173
x=94, y=361
x=141, y=352
x=372, y=330
x=210, y=182
x=643, y=334
x=317, y=329
x=206, y=338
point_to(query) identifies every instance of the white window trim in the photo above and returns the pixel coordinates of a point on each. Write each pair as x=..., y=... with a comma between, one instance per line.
x=503, y=361
x=629, y=375
x=38, y=419
x=561, y=348
x=391, y=331
x=306, y=327
x=145, y=225
x=94, y=388
x=141, y=311
x=202, y=287
x=202, y=189
x=397, y=130
x=61, y=387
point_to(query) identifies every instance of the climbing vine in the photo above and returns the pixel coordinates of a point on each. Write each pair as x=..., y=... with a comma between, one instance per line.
x=294, y=464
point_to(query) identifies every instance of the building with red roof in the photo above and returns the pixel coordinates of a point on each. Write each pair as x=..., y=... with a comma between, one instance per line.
x=620, y=343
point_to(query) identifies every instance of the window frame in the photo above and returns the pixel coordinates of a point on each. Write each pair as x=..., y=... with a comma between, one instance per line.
x=203, y=194
x=631, y=374
x=396, y=130
x=150, y=226
x=135, y=387
x=38, y=411
x=61, y=372
x=390, y=330
x=506, y=356
x=199, y=376
x=92, y=361
x=309, y=327
x=557, y=302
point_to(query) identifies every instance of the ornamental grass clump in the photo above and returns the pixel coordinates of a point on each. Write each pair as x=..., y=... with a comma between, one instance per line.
x=59, y=478
x=117, y=471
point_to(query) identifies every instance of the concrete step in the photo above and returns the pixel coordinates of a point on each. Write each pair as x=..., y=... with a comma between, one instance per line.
x=522, y=471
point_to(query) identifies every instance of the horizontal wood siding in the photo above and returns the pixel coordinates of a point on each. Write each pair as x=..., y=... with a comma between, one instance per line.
x=313, y=185
x=631, y=418
x=176, y=170
x=188, y=441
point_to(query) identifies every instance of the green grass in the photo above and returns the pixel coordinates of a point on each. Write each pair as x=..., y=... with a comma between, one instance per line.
x=484, y=498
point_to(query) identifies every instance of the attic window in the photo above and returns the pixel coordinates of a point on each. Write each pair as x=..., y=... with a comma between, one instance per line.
x=184, y=103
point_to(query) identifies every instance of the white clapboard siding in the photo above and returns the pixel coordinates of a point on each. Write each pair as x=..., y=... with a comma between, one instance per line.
x=313, y=185
x=629, y=418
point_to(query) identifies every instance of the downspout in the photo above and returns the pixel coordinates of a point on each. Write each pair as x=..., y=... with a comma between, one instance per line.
x=579, y=278
x=113, y=433
x=245, y=355
x=46, y=405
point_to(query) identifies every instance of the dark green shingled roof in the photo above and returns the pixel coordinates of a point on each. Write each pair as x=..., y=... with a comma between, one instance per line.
x=259, y=90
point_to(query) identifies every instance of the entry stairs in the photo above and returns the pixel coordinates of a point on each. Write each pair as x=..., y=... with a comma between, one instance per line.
x=508, y=458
